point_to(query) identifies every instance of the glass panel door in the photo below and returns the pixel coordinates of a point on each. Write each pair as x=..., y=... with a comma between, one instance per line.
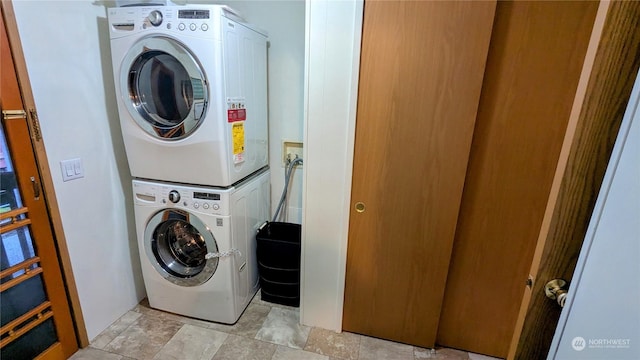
x=26, y=315
x=35, y=312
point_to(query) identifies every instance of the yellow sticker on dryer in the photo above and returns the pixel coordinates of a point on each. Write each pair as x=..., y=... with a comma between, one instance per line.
x=237, y=134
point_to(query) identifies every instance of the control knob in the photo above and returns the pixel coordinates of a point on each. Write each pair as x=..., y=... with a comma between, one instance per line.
x=174, y=196
x=155, y=18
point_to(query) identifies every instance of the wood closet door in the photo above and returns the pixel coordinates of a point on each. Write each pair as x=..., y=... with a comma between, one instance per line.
x=533, y=68
x=421, y=71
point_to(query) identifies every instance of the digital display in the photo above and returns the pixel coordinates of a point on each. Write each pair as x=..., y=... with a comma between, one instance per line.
x=193, y=14
x=206, y=196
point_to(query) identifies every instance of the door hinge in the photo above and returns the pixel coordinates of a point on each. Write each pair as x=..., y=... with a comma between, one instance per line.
x=13, y=114
x=35, y=125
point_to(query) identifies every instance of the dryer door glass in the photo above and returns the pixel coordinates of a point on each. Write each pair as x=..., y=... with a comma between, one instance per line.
x=177, y=243
x=166, y=86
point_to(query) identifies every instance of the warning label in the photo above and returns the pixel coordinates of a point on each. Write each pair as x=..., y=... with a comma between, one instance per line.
x=236, y=110
x=236, y=115
x=237, y=134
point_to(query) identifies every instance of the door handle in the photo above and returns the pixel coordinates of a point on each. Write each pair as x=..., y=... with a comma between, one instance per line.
x=556, y=289
x=360, y=207
x=36, y=188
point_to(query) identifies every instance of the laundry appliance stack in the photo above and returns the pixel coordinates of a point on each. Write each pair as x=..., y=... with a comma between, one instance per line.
x=191, y=88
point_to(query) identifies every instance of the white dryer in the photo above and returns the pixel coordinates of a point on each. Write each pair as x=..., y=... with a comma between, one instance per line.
x=191, y=88
x=179, y=227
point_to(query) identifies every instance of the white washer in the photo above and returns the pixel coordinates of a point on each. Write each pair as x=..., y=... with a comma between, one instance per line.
x=177, y=226
x=191, y=88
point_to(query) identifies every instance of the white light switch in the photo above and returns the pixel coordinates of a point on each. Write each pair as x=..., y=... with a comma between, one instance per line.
x=71, y=169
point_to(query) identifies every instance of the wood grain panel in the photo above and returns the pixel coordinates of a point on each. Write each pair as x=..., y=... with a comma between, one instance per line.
x=422, y=66
x=9, y=90
x=534, y=64
x=580, y=174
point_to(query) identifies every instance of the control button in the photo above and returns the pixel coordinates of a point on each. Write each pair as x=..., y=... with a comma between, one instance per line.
x=185, y=203
x=174, y=196
x=164, y=201
x=169, y=26
x=144, y=26
x=216, y=207
x=205, y=206
x=193, y=27
x=155, y=18
x=204, y=27
x=181, y=26
x=196, y=205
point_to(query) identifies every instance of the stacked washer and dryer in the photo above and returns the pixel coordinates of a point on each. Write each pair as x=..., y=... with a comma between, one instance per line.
x=191, y=86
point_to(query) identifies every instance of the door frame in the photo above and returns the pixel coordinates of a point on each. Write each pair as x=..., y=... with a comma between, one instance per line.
x=608, y=77
x=48, y=192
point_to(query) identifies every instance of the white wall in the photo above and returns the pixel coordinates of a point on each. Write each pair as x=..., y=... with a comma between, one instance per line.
x=66, y=47
x=333, y=31
x=601, y=319
x=68, y=57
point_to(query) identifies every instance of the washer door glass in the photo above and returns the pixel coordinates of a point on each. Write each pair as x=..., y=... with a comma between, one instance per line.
x=176, y=243
x=166, y=87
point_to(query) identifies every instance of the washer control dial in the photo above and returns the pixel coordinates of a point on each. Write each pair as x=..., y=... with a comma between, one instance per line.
x=216, y=207
x=155, y=18
x=174, y=196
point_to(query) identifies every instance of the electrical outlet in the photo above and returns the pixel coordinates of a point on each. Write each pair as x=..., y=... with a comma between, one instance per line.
x=291, y=149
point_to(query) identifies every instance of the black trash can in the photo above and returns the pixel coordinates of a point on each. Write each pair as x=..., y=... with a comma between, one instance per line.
x=278, y=255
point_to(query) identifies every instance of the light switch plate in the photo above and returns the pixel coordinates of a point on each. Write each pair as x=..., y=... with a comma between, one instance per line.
x=71, y=169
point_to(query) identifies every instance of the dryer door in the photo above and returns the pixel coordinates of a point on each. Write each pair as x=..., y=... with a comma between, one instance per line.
x=166, y=87
x=176, y=243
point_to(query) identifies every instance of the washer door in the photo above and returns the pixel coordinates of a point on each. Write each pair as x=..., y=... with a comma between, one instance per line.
x=176, y=243
x=167, y=87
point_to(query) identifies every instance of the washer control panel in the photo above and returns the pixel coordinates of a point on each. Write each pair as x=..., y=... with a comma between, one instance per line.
x=193, y=19
x=182, y=19
x=206, y=200
x=197, y=199
x=203, y=201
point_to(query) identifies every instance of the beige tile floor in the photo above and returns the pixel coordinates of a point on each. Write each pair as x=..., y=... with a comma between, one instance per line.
x=265, y=331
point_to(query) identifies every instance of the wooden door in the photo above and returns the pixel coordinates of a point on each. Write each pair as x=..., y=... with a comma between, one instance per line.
x=591, y=133
x=36, y=316
x=609, y=260
x=422, y=65
x=533, y=68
